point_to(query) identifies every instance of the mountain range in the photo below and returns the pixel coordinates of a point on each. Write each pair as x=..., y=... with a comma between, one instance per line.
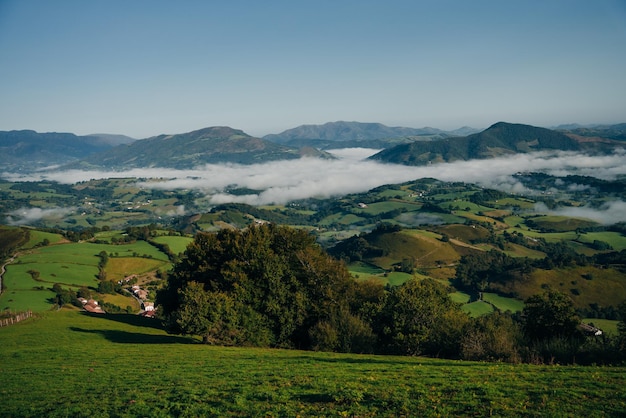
x=29, y=150
x=343, y=134
x=212, y=145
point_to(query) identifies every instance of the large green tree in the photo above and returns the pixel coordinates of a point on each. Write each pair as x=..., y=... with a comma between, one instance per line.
x=419, y=318
x=270, y=281
x=549, y=315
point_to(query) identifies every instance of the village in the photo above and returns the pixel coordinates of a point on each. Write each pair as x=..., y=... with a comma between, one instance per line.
x=139, y=293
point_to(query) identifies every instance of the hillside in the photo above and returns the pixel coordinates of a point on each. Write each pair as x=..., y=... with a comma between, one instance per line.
x=499, y=139
x=28, y=150
x=354, y=134
x=205, y=146
x=125, y=365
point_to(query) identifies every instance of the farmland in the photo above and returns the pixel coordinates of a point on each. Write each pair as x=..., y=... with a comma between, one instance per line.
x=28, y=279
x=440, y=224
x=123, y=365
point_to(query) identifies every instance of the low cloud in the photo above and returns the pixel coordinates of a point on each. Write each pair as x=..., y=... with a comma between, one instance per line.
x=608, y=214
x=26, y=216
x=416, y=219
x=283, y=181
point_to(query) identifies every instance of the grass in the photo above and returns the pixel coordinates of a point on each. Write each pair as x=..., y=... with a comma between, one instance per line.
x=584, y=285
x=177, y=244
x=460, y=297
x=614, y=239
x=503, y=303
x=118, y=268
x=123, y=366
x=477, y=308
x=72, y=265
x=608, y=326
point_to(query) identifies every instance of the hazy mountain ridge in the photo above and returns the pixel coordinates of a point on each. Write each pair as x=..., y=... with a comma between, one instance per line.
x=22, y=151
x=343, y=134
x=499, y=139
x=28, y=150
x=216, y=144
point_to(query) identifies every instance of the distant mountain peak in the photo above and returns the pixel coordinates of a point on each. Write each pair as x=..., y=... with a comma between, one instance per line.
x=343, y=131
x=501, y=138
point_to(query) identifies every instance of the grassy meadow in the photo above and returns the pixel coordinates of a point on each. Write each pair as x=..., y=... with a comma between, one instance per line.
x=72, y=265
x=126, y=366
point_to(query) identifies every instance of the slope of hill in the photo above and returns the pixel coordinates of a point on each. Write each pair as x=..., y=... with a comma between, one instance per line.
x=617, y=131
x=27, y=150
x=205, y=146
x=499, y=139
x=353, y=134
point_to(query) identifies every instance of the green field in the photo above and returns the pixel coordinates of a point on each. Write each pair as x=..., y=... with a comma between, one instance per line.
x=614, y=239
x=124, y=365
x=72, y=265
x=608, y=326
x=177, y=244
x=477, y=308
x=503, y=303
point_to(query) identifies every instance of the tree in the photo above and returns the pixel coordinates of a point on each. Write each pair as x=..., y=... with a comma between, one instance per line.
x=621, y=327
x=275, y=278
x=551, y=314
x=493, y=337
x=420, y=318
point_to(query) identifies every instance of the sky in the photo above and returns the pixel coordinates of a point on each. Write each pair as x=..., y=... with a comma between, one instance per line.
x=144, y=68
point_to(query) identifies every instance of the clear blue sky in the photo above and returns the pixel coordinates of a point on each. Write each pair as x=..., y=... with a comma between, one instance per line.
x=143, y=68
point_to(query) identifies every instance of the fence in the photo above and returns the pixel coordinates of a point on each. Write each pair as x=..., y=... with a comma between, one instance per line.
x=15, y=318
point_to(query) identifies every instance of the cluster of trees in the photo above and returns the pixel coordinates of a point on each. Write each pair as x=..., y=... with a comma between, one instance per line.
x=274, y=286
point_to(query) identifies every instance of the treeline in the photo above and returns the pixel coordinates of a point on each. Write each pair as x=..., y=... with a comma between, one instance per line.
x=273, y=286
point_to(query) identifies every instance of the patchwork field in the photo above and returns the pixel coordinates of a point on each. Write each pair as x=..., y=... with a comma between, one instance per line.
x=30, y=276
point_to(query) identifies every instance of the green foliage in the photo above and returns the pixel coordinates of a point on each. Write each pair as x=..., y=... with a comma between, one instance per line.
x=106, y=286
x=477, y=271
x=420, y=318
x=288, y=283
x=493, y=337
x=549, y=315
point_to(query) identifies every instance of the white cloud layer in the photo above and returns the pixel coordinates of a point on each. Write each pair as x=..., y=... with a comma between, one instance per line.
x=26, y=216
x=608, y=214
x=283, y=181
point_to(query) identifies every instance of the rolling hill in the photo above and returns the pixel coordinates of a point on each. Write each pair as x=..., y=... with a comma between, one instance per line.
x=27, y=150
x=216, y=144
x=500, y=139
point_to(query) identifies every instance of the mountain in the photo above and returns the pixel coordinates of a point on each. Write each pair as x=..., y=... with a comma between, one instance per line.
x=499, y=139
x=353, y=134
x=216, y=144
x=614, y=132
x=113, y=140
x=28, y=150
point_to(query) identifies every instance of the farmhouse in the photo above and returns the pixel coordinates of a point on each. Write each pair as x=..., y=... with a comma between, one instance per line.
x=590, y=329
x=148, y=306
x=93, y=307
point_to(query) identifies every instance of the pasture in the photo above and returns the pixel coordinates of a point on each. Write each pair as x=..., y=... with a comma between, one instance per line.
x=33, y=272
x=616, y=240
x=503, y=303
x=124, y=365
x=177, y=244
